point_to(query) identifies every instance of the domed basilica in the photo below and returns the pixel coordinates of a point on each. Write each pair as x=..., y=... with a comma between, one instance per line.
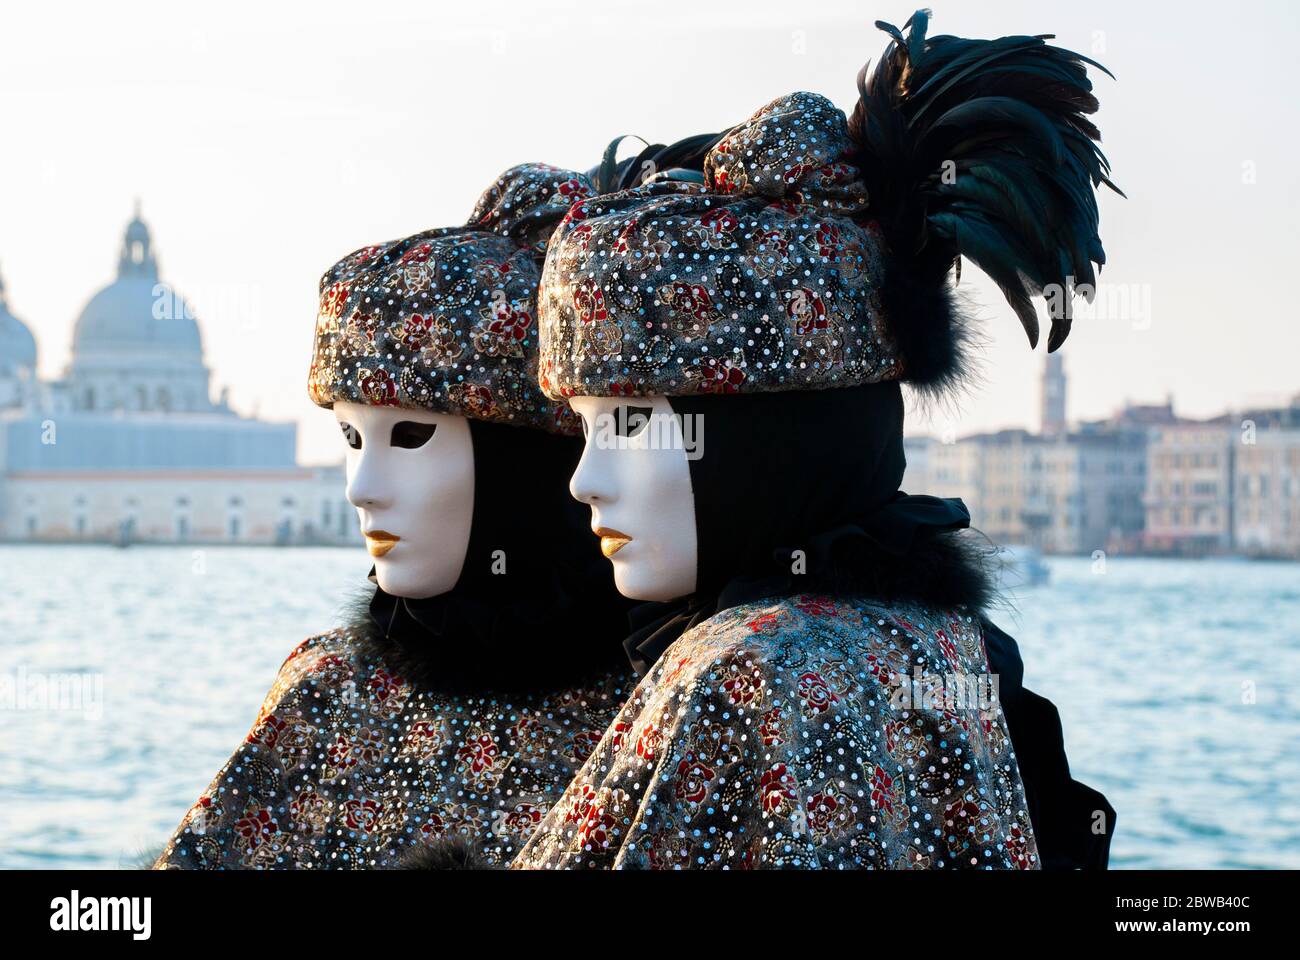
x=130, y=447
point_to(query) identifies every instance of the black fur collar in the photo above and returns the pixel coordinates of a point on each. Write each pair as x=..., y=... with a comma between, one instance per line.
x=944, y=570
x=460, y=645
x=449, y=853
x=941, y=570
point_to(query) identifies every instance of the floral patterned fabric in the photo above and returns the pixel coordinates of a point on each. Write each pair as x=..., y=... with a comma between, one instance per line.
x=802, y=733
x=760, y=279
x=348, y=766
x=446, y=319
x=527, y=201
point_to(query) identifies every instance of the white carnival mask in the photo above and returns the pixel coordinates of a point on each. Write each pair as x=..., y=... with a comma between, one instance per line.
x=411, y=478
x=635, y=475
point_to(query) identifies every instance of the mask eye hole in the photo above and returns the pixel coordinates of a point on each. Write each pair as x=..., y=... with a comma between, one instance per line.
x=411, y=435
x=351, y=434
x=630, y=421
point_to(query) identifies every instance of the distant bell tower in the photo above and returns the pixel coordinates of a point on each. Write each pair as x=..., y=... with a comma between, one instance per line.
x=1053, y=400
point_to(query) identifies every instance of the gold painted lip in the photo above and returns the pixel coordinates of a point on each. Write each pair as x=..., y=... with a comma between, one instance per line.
x=379, y=542
x=611, y=541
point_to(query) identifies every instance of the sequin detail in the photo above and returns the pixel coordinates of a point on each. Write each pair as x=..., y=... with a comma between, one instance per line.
x=445, y=319
x=803, y=733
x=348, y=765
x=763, y=278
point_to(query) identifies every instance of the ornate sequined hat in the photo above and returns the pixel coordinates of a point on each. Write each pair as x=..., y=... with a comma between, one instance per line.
x=758, y=279
x=445, y=320
x=817, y=250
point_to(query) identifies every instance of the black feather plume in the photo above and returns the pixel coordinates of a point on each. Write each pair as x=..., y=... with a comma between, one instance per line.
x=982, y=149
x=686, y=154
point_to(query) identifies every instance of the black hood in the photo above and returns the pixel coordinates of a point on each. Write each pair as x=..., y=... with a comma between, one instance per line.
x=798, y=492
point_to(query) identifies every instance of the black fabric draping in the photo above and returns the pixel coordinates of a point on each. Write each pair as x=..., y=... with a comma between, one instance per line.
x=778, y=469
x=550, y=618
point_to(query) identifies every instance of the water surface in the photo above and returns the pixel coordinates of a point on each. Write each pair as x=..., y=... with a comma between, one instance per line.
x=1175, y=681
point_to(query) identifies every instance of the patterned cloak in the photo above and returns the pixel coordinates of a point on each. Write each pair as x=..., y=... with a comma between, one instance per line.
x=805, y=732
x=351, y=766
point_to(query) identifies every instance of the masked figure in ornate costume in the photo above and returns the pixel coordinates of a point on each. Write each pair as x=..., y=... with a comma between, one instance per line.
x=818, y=677
x=438, y=727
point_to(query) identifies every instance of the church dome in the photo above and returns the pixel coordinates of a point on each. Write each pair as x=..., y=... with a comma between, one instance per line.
x=17, y=345
x=136, y=314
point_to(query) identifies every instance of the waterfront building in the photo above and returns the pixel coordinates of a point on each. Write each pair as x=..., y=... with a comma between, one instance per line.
x=1188, y=496
x=1266, y=482
x=129, y=446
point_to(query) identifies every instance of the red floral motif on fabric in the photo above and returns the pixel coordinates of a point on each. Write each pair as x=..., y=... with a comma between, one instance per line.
x=830, y=773
x=346, y=753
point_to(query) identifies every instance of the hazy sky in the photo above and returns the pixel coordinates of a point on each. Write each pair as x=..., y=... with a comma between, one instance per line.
x=266, y=140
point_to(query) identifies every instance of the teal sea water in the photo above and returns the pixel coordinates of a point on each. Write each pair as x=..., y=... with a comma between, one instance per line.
x=1176, y=682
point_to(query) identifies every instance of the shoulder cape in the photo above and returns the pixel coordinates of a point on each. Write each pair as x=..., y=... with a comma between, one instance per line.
x=805, y=732
x=349, y=765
